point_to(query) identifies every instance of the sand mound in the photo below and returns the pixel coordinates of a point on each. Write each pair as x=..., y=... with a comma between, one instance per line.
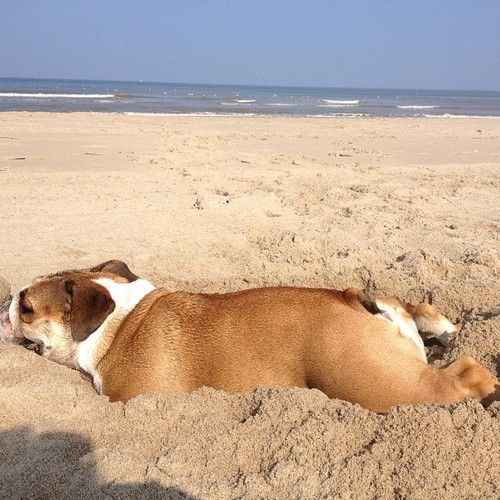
x=268, y=444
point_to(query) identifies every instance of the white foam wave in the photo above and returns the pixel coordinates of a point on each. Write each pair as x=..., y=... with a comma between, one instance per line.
x=340, y=115
x=246, y=115
x=200, y=114
x=238, y=101
x=329, y=115
x=340, y=102
x=281, y=104
x=64, y=96
x=451, y=115
x=415, y=106
x=336, y=105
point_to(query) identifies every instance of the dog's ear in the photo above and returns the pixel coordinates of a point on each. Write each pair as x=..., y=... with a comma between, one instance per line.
x=90, y=305
x=117, y=267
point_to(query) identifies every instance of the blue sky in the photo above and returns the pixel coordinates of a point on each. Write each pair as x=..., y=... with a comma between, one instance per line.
x=448, y=44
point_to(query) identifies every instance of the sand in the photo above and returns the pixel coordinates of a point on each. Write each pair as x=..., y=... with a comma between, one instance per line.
x=409, y=207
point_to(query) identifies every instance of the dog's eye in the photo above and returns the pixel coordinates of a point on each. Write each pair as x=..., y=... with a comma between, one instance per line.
x=25, y=308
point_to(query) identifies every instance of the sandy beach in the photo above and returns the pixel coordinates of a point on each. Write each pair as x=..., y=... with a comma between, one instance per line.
x=405, y=207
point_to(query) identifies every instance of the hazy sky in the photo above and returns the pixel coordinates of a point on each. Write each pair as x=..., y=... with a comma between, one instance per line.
x=449, y=44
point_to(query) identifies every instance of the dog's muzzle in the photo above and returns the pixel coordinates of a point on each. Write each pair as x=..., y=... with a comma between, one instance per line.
x=5, y=324
x=7, y=333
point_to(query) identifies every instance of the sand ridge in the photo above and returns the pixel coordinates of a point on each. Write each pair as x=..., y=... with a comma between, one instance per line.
x=404, y=206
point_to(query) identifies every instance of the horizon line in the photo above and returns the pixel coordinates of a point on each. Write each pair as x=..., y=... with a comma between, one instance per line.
x=245, y=84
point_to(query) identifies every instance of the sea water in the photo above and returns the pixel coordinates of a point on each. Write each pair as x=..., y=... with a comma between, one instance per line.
x=197, y=99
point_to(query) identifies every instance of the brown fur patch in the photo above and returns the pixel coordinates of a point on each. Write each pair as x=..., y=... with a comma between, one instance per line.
x=91, y=304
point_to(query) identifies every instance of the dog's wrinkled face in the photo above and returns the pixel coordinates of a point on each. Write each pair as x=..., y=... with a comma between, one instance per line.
x=57, y=312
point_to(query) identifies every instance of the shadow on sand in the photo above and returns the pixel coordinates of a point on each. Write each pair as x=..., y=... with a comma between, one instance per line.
x=62, y=465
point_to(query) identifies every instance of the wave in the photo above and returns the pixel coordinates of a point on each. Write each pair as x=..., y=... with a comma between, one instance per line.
x=281, y=104
x=328, y=115
x=238, y=101
x=415, y=106
x=340, y=115
x=218, y=114
x=336, y=105
x=340, y=102
x=63, y=96
x=451, y=115
x=194, y=113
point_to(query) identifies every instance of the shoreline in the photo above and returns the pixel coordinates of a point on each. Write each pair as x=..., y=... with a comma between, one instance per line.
x=209, y=114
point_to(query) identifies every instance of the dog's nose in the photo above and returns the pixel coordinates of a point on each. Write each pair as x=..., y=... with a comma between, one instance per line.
x=5, y=325
x=6, y=302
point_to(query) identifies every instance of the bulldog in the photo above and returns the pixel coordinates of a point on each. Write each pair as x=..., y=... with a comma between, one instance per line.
x=132, y=338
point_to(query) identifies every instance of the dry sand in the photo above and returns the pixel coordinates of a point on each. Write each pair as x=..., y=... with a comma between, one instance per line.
x=402, y=206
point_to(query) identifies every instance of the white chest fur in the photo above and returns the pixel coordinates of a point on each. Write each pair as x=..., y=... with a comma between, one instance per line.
x=126, y=296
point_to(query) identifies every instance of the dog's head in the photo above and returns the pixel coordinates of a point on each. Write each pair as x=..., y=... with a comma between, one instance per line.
x=57, y=312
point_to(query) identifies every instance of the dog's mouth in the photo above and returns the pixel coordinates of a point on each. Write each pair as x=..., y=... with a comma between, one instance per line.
x=36, y=346
x=8, y=336
x=32, y=345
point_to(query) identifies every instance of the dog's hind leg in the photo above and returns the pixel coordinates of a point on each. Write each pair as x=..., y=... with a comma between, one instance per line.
x=379, y=371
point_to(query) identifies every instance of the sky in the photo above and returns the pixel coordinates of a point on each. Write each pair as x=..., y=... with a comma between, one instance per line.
x=438, y=44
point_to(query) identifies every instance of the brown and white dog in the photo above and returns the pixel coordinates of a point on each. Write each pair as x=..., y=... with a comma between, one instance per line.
x=132, y=338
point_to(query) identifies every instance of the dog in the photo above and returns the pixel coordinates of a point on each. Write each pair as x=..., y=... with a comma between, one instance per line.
x=132, y=338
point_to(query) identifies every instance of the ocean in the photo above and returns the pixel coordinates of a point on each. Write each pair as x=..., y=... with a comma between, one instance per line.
x=19, y=94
